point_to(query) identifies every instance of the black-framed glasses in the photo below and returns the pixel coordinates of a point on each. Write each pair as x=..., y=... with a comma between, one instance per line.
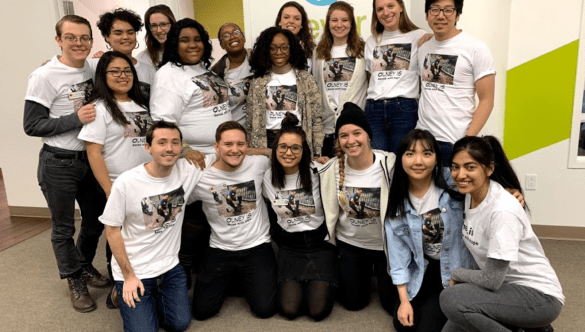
x=446, y=11
x=163, y=26
x=295, y=148
x=118, y=73
x=72, y=40
x=283, y=49
x=227, y=35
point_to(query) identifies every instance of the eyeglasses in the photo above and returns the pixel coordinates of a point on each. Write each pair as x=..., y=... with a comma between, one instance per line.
x=72, y=40
x=228, y=35
x=446, y=11
x=283, y=148
x=283, y=49
x=163, y=26
x=118, y=73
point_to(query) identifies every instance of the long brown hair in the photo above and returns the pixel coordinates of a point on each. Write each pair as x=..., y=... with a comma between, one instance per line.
x=355, y=43
x=305, y=35
x=153, y=47
x=404, y=24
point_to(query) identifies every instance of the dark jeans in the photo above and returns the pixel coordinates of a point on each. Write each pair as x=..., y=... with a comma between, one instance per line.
x=194, y=237
x=256, y=268
x=64, y=177
x=446, y=151
x=165, y=300
x=390, y=120
x=328, y=146
x=356, y=278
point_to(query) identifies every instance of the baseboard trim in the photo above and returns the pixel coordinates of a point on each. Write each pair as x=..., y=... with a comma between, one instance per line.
x=559, y=232
x=34, y=212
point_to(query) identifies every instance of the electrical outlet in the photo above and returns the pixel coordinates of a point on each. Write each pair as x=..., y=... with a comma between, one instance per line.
x=530, y=181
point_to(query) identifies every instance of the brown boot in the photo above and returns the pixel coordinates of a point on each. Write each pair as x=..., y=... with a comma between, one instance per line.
x=80, y=298
x=93, y=278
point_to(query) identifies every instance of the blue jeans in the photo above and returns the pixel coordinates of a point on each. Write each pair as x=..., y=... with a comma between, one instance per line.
x=446, y=151
x=64, y=177
x=165, y=300
x=390, y=120
x=256, y=268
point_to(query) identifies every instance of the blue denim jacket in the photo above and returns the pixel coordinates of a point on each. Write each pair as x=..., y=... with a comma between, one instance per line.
x=405, y=245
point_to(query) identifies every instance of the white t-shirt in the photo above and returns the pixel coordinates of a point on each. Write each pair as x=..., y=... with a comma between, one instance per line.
x=359, y=219
x=393, y=64
x=150, y=211
x=63, y=90
x=499, y=228
x=234, y=206
x=448, y=71
x=427, y=207
x=281, y=97
x=144, y=57
x=123, y=146
x=194, y=98
x=297, y=210
x=238, y=81
x=144, y=71
x=337, y=73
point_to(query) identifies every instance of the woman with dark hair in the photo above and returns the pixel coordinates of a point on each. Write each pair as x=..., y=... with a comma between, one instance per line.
x=423, y=233
x=307, y=264
x=391, y=62
x=158, y=21
x=281, y=84
x=113, y=140
x=119, y=29
x=516, y=287
x=339, y=68
x=293, y=17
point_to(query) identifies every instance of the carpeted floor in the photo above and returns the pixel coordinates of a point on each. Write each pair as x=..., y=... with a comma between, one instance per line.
x=35, y=299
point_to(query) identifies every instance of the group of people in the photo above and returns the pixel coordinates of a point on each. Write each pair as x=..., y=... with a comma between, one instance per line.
x=354, y=158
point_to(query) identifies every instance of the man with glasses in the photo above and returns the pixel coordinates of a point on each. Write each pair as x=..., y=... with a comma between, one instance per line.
x=54, y=110
x=240, y=240
x=460, y=66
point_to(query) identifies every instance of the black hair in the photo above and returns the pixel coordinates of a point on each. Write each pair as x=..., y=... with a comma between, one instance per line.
x=171, y=45
x=260, y=60
x=399, y=193
x=228, y=125
x=103, y=92
x=458, y=5
x=126, y=15
x=290, y=126
x=162, y=124
x=488, y=151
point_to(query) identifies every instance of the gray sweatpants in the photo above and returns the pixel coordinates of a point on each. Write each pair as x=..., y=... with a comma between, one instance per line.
x=473, y=308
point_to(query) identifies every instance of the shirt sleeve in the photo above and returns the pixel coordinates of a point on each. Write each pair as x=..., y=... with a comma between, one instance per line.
x=368, y=54
x=115, y=210
x=95, y=131
x=37, y=122
x=505, y=232
x=483, y=62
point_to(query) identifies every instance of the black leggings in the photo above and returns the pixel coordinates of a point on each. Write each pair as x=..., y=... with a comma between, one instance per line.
x=317, y=297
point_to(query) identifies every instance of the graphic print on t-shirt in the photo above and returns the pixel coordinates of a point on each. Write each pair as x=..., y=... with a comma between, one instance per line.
x=363, y=205
x=391, y=57
x=432, y=230
x=438, y=68
x=80, y=93
x=295, y=206
x=281, y=98
x=234, y=200
x=338, y=72
x=160, y=210
x=139, y=124
x=240, y=88
x=214, y=90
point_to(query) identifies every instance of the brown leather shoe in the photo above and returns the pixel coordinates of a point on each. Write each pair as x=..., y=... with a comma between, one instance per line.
x=80, y=298
x=93, y=278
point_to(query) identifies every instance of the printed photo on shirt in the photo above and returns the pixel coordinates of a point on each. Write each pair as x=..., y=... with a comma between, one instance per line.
x=234, y=199
x=391, y=57
x=338, y=70
x=160, y=211
x=80, y=93
x=433, y=229
x=294, y=204
x=139, y=122
x=439, y=68
x=241, y=87
x=281, y=98
x=214, y=90
x=362, y=203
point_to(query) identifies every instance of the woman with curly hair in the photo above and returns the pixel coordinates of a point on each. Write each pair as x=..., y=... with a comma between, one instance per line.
x=281, y=84
x=339, y=68
x=293, y=17
x=158, y=20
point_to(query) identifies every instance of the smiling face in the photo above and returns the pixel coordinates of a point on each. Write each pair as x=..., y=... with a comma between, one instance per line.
x=419, y=161
x=165, y=149
x=278, y=56
x=470, y=176
x=291, y=19
x=339, y=24
x=122, y=84
x=354, y=141
x=160, y=20
x=388, y=14
x=231, y=149
x=235, y=43
x=190, y=47
x=288, y=159
x=443, y=26
x=122, y=37
x=74, y=54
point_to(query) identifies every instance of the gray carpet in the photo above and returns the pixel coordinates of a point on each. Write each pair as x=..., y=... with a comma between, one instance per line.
x=35, y=299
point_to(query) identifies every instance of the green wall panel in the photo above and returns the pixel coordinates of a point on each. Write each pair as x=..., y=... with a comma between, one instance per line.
x=539, y=101
x=213, y=14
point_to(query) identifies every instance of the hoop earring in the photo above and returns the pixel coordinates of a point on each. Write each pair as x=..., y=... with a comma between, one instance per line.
x=108, y=46
x=137, y=45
